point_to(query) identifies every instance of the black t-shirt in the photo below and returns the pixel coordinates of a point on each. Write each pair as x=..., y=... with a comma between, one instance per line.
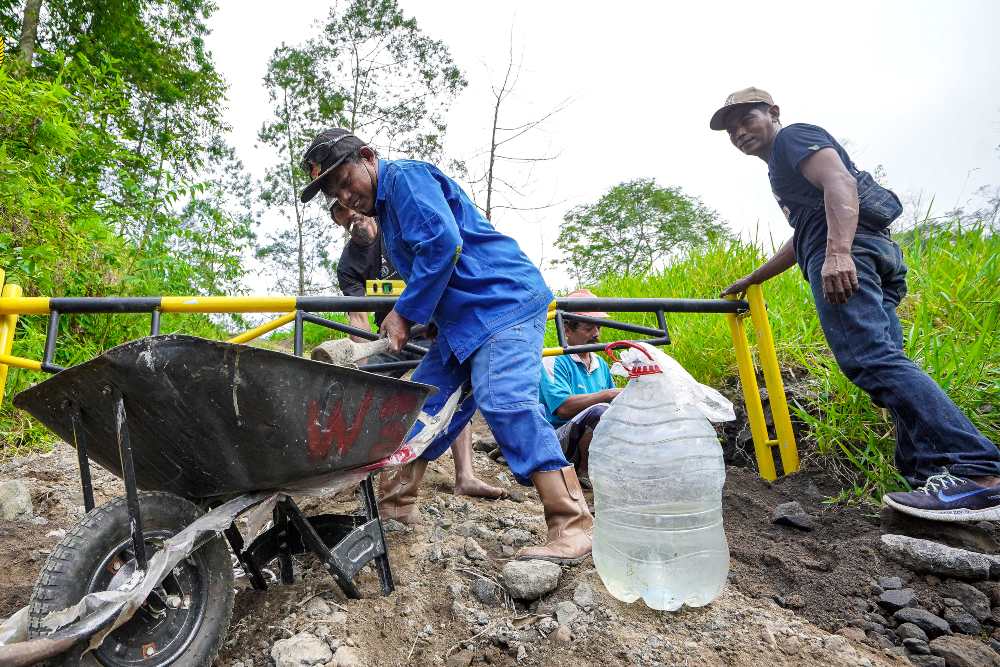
x=359, y=263
x=800, y=201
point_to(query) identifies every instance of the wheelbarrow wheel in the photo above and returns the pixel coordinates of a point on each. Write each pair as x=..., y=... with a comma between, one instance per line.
x=184, y=620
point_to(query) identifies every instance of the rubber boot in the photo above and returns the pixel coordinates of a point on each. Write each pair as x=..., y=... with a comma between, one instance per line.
x=570, y=525
x=399, y=493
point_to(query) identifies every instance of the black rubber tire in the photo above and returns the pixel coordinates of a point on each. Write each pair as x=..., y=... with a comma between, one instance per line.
x=64, y=579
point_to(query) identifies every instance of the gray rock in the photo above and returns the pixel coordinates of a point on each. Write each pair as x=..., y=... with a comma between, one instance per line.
x=516, y=537
x=567, y=612
x=923, y=619
x=926, y=660
x=991, y=589
x=897, y=599
x=792, y=514
x=916, y=646
x=302, y=650
x=394, y=526
x=473, y=550
x=530, y=579
x=959, y=651
x=974, y=600
x=583, y=596
x=346, y=657
x=953, y=533
x=484, y=590
x=927, y=556
x=951, y=602
x=962, y=621
x=911, y=631
x=484, y=445
x=317, y=608
x=890, y=583
x=456, y=590
x=561, y=635
x=460, y=659
x=15, y=500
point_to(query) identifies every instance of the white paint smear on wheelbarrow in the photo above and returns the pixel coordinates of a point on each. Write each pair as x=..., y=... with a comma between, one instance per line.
x=100, y=613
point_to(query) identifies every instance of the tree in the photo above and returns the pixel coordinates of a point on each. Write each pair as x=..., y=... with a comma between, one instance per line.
x=502, y=146
x=297, y=253
x=632, y=228
x=388, y=81
x=370, y=70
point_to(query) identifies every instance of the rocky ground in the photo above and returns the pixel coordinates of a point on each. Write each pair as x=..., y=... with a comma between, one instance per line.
x=812, y=583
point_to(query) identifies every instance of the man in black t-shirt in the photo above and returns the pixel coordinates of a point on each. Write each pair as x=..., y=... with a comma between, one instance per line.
x=841, y=242
x=363, y=259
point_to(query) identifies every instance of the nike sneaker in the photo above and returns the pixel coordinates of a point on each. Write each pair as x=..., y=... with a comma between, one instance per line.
x=946, y=497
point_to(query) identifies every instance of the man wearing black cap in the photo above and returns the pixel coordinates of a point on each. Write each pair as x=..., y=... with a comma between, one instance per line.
x=488, y=302
x=363, y=259
x=841, y=242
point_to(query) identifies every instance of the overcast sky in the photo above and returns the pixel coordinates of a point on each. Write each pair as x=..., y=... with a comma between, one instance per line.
x=913, y=86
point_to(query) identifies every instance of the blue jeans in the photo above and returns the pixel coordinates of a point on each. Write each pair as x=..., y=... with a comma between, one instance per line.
x=504, y=372
x=867, y=342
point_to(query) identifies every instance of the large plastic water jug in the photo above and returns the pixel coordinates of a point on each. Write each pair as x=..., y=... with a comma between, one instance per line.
x=657, y=470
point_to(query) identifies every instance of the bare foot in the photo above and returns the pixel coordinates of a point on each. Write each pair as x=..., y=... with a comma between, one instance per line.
x=477, y=488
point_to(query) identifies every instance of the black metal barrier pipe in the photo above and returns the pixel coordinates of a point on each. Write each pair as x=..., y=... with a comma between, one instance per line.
x=132, y=304
x=104, y=304
x=370, y=303
x=612, y=324
x=354, y=331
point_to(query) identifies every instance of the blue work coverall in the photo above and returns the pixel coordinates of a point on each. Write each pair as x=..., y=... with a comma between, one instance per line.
x=489, y=304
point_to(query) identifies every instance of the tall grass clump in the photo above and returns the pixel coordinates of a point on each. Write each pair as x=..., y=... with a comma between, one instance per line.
x=950, y=319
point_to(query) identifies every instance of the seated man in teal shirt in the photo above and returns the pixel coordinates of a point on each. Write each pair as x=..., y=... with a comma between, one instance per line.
x=576, y=389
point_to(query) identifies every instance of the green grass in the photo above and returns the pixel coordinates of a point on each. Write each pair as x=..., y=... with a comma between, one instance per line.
x=950, y=320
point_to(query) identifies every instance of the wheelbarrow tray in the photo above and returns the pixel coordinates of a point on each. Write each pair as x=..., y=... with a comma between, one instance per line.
x=208, y=418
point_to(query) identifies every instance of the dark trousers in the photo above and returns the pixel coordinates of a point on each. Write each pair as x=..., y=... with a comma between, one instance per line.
x=867, y=342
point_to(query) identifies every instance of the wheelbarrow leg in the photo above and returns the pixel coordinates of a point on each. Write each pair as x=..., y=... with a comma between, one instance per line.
x=80, y=441
x=281, y=523
x=371, y=511
x=253, y=572
x=312, y=541
x=128, y=475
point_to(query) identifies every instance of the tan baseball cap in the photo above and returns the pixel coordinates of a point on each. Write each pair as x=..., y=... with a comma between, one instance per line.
x=749, y=95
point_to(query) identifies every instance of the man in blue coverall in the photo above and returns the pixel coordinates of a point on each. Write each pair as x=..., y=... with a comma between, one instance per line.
x=488, y=303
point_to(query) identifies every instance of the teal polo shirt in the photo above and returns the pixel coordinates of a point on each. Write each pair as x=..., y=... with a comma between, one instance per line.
x=566, y=376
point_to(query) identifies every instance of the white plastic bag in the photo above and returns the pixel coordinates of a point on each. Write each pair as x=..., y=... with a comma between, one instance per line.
x=683, y=388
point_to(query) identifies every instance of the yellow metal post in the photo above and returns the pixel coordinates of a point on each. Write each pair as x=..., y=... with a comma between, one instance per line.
x=751, y=396
x=8, y=325
x=772, y=379
x=263, y=329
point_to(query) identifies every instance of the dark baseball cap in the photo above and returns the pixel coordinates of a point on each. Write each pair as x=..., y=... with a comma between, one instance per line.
x=327, y=151
x=743, y=97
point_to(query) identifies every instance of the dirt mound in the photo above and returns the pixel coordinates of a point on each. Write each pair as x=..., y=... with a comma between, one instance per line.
x=789, y=589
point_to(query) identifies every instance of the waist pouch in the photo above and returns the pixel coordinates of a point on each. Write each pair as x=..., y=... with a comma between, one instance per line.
x=878, y=206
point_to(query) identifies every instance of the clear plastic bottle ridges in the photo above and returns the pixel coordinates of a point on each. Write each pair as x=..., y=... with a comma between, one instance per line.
x=658, y=471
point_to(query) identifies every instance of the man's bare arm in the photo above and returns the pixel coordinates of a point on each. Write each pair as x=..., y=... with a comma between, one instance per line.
x=577, y=403
x=783, y=260
x=827, y=172
x=359, y=321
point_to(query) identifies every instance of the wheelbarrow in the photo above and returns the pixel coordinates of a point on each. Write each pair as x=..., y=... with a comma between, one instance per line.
x=204, y=433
